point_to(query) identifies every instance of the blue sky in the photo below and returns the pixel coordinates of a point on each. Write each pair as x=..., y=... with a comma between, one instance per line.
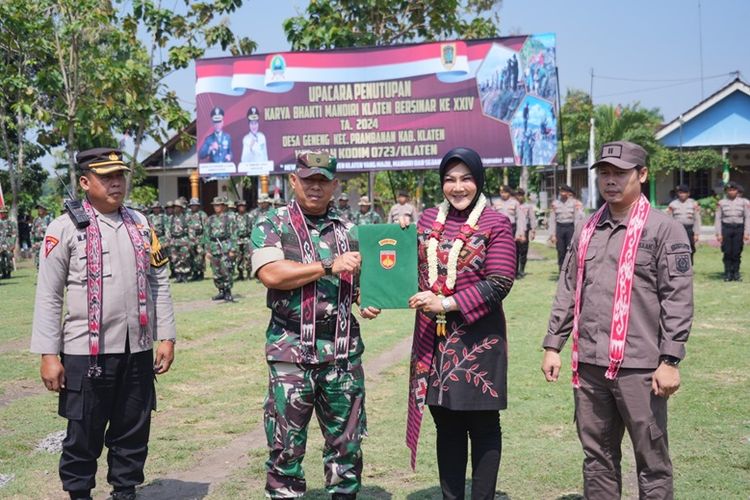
x=653, y=41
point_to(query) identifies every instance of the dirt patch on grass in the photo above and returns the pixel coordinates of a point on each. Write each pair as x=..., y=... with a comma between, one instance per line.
x=19, y=390
x=214, y=468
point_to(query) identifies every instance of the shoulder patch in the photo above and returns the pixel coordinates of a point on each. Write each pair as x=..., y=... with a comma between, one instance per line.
x=50, y=242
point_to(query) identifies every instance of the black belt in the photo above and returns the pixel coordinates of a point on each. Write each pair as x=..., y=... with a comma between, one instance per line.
x=565, y=223
x=323, y=327
x=733, y=224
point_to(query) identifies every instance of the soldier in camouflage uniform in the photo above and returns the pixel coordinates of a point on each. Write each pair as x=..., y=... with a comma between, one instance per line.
x=8, y=235
x=169, y=210
x=244, y=227
x=159, y=222
x=319, y=369
x=366, y=215
x=264, y=205
x=220, y=240
x=345, y=211
x=38, y=228
x=197, y=221
x=179, y=243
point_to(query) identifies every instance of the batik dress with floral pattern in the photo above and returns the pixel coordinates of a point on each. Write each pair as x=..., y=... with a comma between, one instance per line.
x=468, y=367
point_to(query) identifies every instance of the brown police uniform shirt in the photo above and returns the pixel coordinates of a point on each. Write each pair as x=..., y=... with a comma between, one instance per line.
x=511, y=208
x=736, y=211
x=398, y=210
x=62, y=274
x=565, y=212
x=661, y=307
x=687, y=213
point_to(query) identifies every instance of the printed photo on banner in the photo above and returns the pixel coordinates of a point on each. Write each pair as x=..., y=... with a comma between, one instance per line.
x=534, y=129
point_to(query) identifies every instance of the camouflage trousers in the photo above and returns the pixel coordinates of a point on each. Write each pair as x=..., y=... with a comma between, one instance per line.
x=222, y=266
x=180, y=257
x=338, y=399
x=244, y=249
x=35, y=249
x=199, y=258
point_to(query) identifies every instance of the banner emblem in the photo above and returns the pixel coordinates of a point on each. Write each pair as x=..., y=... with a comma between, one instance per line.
x=448, y=55
x=387, y=259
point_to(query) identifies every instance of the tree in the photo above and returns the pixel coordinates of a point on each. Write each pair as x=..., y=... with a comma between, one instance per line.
x=575, y=115
x=329, y=24
x=22, y=74
x=150, y=108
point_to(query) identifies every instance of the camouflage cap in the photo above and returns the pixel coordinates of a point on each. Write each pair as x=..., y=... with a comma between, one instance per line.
x=3, y=209
x=230, y=204
x=194, y=201
x=364, y=202
x=264, y=198
x=343, y=197
x=101, y=161
x=170, y=204
x=219, y=200
x=242, y=203
x=156, y=204
x=179, y=203
x=312, y=163
x=39, y=204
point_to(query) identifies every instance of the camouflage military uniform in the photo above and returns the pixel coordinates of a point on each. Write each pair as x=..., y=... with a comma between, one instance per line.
x=258, y=214
x=220, y=240
x=8, y=234
x=371, y=217
x=160, y=223
x=179, y=246
x=38, y=228
x=197, y=222
x=299, y=384
x=244, y=227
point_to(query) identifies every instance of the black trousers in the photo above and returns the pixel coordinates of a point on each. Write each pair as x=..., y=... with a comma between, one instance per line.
x=564, y=235
x=483, y=429
x=112, y=410
x=691, y=237
x=732, y=236
x=522, y=254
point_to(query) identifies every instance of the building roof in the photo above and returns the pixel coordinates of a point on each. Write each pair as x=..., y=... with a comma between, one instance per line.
x=722, y=119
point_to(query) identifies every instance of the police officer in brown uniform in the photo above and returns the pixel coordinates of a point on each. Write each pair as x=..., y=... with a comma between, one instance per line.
x=522, y=248
x=687, y=212
x=565, y=214
x=99, y=357
x=624, y=362
x=732, y=225
x=511, y=208
x=402, y=209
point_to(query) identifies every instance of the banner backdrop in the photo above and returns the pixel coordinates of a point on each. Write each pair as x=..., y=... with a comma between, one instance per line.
x=384, y=108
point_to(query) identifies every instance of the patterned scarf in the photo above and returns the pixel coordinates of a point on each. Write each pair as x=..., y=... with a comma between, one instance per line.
x=623, y=288
x=309, y=291
x=94, y=285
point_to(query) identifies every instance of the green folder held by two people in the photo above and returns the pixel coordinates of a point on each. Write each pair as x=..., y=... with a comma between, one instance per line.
x=388, y=277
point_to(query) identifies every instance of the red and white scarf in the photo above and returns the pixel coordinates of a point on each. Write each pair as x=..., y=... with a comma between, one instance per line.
x=623, y=286
x=309, y=291
x=94, y=288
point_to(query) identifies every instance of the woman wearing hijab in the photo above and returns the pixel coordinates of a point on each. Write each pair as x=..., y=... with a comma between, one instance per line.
x=467, y=259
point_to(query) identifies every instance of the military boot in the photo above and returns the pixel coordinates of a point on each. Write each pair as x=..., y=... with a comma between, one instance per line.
x=228, y=295
x=220, y=295
x=124, y=494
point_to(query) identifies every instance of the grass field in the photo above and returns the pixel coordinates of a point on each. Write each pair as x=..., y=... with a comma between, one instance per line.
x=214, y=393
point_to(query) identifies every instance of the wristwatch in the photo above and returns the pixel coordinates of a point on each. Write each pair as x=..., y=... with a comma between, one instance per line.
x=446, y=303
x=327, y=266
x=669, y=360
x=169, y=340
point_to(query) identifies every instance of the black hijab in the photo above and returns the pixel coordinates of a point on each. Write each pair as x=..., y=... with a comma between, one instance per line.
x=471, y=159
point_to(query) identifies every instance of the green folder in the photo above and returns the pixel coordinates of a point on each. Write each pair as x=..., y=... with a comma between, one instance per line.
x=389, y=265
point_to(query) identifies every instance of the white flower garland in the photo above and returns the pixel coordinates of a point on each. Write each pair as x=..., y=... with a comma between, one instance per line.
x=458, y=244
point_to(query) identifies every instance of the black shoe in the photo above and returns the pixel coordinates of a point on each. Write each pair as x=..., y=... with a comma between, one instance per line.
x=228, y=296
x=343, y=496
x=727, y=276
x=124, y=494
x=736, y=276
x=240, y=277
x=219, y=296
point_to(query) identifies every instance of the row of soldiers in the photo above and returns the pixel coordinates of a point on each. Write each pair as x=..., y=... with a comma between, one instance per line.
x=9, y=236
